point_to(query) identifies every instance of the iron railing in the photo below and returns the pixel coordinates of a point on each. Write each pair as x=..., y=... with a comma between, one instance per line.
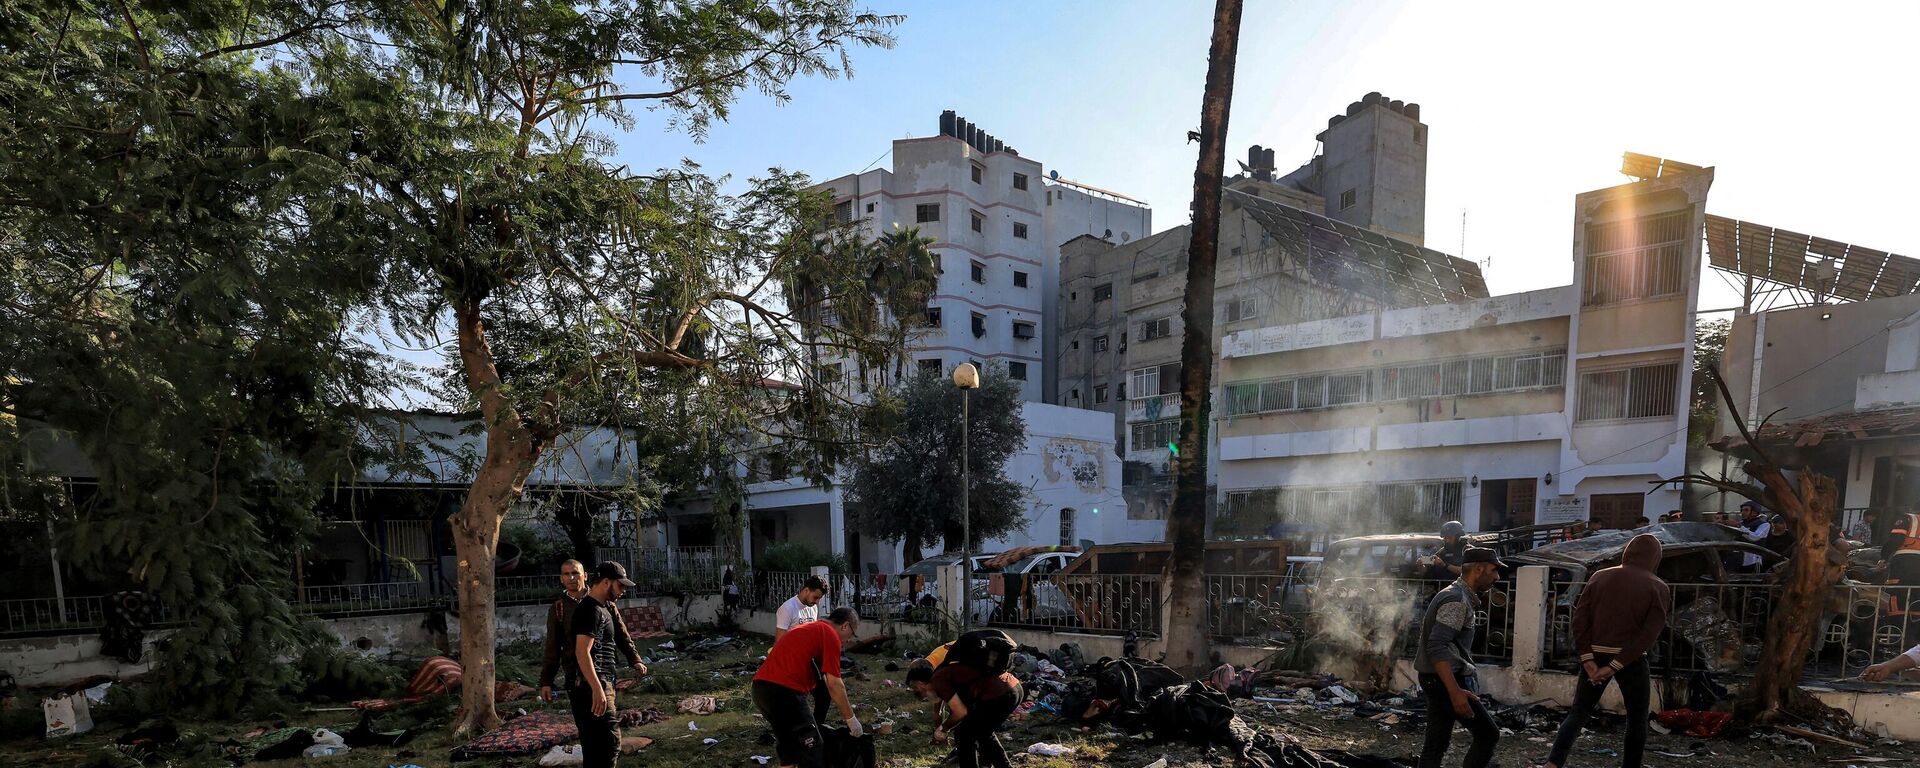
x=342, y=599
x=1090, y=603
x=766, y=590
x=1383, y=615
x=49, y=615
x=1270, y=608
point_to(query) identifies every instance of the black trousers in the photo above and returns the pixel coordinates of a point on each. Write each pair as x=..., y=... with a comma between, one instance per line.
x=795, y=736
x=1441, y=718
x=974, y=739
x=1635, y=684
x=599, y=734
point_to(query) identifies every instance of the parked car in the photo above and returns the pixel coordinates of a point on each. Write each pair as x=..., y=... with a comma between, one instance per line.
x=920, y=586
x=1023, y=585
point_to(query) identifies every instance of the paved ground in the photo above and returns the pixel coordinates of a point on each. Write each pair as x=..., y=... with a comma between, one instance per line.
x=738, y=731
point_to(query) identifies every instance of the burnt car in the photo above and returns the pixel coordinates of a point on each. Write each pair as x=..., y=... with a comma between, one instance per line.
x=1718, y=608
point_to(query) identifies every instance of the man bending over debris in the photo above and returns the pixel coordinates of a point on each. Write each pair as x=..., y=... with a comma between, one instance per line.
x=804, y=657
x=1619, y=615
x=573, y=585
x=590, y=678
x=978, y=700
x=1446, y=676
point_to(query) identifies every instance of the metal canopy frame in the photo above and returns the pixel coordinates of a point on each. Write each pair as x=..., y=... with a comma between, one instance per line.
x=1788, y=268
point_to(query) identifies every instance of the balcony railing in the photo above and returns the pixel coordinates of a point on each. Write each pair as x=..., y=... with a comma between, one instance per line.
x=1153, y=408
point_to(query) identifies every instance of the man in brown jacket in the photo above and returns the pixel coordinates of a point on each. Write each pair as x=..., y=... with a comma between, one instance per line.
x=573, y=585
x=1620, y=614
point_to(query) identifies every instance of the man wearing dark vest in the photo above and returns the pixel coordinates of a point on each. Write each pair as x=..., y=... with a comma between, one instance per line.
x=1446, y=674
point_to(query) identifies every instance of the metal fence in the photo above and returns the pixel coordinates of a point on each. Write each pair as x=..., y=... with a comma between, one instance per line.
x=1720, y=628
x=1385, y=614
x=677, y=569
x=367, y=598
x=885, y=596
x=1090, y=603
x=49, y=615
x=766, y=590
x=1259, y=607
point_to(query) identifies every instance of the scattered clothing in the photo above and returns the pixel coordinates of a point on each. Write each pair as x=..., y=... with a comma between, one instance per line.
x=631, y=718
x=1049, y=750
x=1695, y=723
x=436, y=676
x=645, y=622
x=526, y=734
x=699, y=705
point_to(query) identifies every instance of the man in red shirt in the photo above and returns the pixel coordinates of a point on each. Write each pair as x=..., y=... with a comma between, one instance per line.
x=798, y=662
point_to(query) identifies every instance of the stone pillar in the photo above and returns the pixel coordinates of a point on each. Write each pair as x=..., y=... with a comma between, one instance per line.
x=1531, y=615
x=953, y=596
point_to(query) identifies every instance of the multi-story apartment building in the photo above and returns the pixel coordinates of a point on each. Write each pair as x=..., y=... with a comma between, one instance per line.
x=997, y=220
x=1562, y=404
x=1337, y=236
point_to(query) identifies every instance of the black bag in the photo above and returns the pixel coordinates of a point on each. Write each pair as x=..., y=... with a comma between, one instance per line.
x=841, y=750
x=988, y=649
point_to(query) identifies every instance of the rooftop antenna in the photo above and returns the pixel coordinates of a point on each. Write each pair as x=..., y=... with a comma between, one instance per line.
x=1463, y=233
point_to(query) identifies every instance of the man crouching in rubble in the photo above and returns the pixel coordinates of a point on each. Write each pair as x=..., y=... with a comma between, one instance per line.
x=1618, y=617
x=1446, y=676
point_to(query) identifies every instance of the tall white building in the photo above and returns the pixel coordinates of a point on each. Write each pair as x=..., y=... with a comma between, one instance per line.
x=997, y=220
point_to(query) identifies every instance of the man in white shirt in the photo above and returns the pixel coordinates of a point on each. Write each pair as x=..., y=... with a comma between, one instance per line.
x=1757, y=529
x=801, y=608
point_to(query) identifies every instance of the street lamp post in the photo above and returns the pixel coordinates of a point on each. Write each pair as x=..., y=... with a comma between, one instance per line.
x=967, y=378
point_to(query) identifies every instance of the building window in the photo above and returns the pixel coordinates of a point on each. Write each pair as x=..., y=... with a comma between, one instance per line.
x=1154, y=434
x=830, y=373
x=926, y=212
x=1641, y=392
x=1076, y=343
x=1099, y=394
x=1420, y=506
x=843, y=212
x=1019, y=279
x=1066, y=526
x=979, y=272
x=979, y=221
x=933, y=316
x=1022, y=329
x=1636, y=258
x=932, y=366
x=1145, y=276
x=1020, y=181
x=1348, y=199
x=978, y=173
x=1020, y=230
x=1153, y=329
x=979, y=325
x=1017, y=371
x=1144, y=382
x=1474, y=376
x=1103, y=291
x=869, y=207
x=1243, y=308
x=1100, y=343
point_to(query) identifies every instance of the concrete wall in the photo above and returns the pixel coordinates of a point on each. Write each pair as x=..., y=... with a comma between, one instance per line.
x=1852, y=341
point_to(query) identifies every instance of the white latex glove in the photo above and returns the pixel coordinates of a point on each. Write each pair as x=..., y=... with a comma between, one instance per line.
x=853, y=727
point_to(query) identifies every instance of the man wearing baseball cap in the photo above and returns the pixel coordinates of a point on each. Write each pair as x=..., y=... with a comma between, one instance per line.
x=1446, y=674
x=590, y=678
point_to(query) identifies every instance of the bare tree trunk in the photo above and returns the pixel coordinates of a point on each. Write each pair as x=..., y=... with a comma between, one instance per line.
x=1187, y=524
x=512, y=449
x=1775, y=693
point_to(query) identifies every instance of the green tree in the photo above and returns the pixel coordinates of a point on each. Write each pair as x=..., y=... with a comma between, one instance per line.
x=1703, y=409
x=908, y=488
x=162, y=320
x=300, y=177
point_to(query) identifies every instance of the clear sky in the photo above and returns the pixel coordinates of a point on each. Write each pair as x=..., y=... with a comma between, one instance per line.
x=1807, y=110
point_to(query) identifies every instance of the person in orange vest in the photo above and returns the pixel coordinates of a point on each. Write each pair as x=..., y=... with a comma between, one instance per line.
x=1901, y=550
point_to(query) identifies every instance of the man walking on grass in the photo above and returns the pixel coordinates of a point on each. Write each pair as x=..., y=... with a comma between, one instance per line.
x=803, y=658
x=1617, y=618
x=559, y=652
x=590, y=678
x=1446, y=676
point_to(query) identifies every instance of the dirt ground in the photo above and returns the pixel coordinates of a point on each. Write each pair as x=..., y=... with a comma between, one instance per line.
x=879, y=696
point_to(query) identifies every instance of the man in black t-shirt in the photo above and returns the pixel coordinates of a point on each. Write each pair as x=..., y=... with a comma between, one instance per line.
x=590, y=678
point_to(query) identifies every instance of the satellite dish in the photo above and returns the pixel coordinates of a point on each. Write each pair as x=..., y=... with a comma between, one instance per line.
x=1125, y=237
x=1055, y=175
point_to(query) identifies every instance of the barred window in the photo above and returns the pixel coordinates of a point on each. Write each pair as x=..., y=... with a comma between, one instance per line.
x=1154, y=434
x=1641, y=392
x=1635, y=258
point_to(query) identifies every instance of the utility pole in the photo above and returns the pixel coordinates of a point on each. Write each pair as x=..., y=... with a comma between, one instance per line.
x=1187, y=524
x=967, y=378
